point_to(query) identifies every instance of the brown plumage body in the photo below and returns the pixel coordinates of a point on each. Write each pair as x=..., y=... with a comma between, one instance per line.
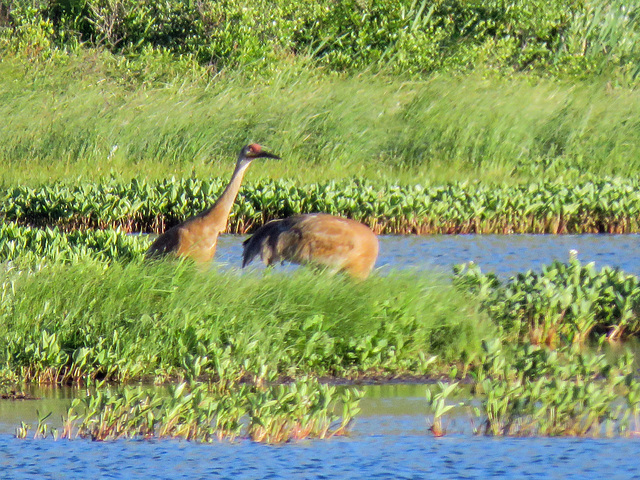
x=341, y=244
x=197, y=237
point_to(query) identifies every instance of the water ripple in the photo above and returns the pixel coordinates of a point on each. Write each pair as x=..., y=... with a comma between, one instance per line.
x=374, y=456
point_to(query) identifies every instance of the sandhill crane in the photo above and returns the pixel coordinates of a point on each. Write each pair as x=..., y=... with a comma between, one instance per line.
x=197, y=236
x=341, y=244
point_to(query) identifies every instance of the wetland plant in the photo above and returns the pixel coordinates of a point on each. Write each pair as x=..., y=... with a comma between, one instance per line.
x=597, y=205
x=85, y=322
x=437, y=404
x=533, y=390
x=195, y=411
x=564, y=303
x=550, y=393
x=29, y=246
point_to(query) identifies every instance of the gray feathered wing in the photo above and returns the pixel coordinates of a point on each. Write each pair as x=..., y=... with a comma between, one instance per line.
x=264, y=242
x=166, y=243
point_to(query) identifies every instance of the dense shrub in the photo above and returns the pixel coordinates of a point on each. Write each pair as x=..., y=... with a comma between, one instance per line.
x=413, y=36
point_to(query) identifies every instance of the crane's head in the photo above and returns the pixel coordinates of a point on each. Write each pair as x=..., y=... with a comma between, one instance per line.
x=251, y=151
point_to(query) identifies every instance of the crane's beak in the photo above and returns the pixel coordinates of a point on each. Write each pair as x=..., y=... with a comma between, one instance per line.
x=267, y=155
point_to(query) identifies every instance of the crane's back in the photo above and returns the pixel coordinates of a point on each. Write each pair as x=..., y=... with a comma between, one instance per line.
x=339, y=243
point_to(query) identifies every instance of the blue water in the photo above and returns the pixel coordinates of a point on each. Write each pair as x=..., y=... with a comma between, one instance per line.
x=363, y=455
x=389, y=440
x=503, y=254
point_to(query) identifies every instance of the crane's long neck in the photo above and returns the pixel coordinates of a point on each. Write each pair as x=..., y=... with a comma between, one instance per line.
x=218, y=214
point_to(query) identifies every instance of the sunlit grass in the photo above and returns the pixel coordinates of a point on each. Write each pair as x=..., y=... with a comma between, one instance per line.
x=123, y=322
x=84, y=120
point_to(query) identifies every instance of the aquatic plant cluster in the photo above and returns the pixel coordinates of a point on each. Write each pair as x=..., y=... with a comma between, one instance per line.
x=611, y=206
x=343, y=83
x=563, y=303
x=200, y=412
x=532, y=390
x=28, y=246
x=87, y=320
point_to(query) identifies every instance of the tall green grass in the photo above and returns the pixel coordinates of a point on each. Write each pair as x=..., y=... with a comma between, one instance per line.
x=168, y=320
x=94, y=117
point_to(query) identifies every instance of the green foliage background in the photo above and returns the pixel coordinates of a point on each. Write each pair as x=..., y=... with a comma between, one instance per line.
x=580, y=37
x=413, y=90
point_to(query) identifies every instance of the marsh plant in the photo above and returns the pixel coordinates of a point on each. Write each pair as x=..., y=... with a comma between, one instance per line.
x=42, y=430
x=26, y=245
x=90, y=321
x=597, y=205
x=563, y=303
x=196, y=411
x=437, y=402
x=484, y=90
x=533, y=390
x=564, y=392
